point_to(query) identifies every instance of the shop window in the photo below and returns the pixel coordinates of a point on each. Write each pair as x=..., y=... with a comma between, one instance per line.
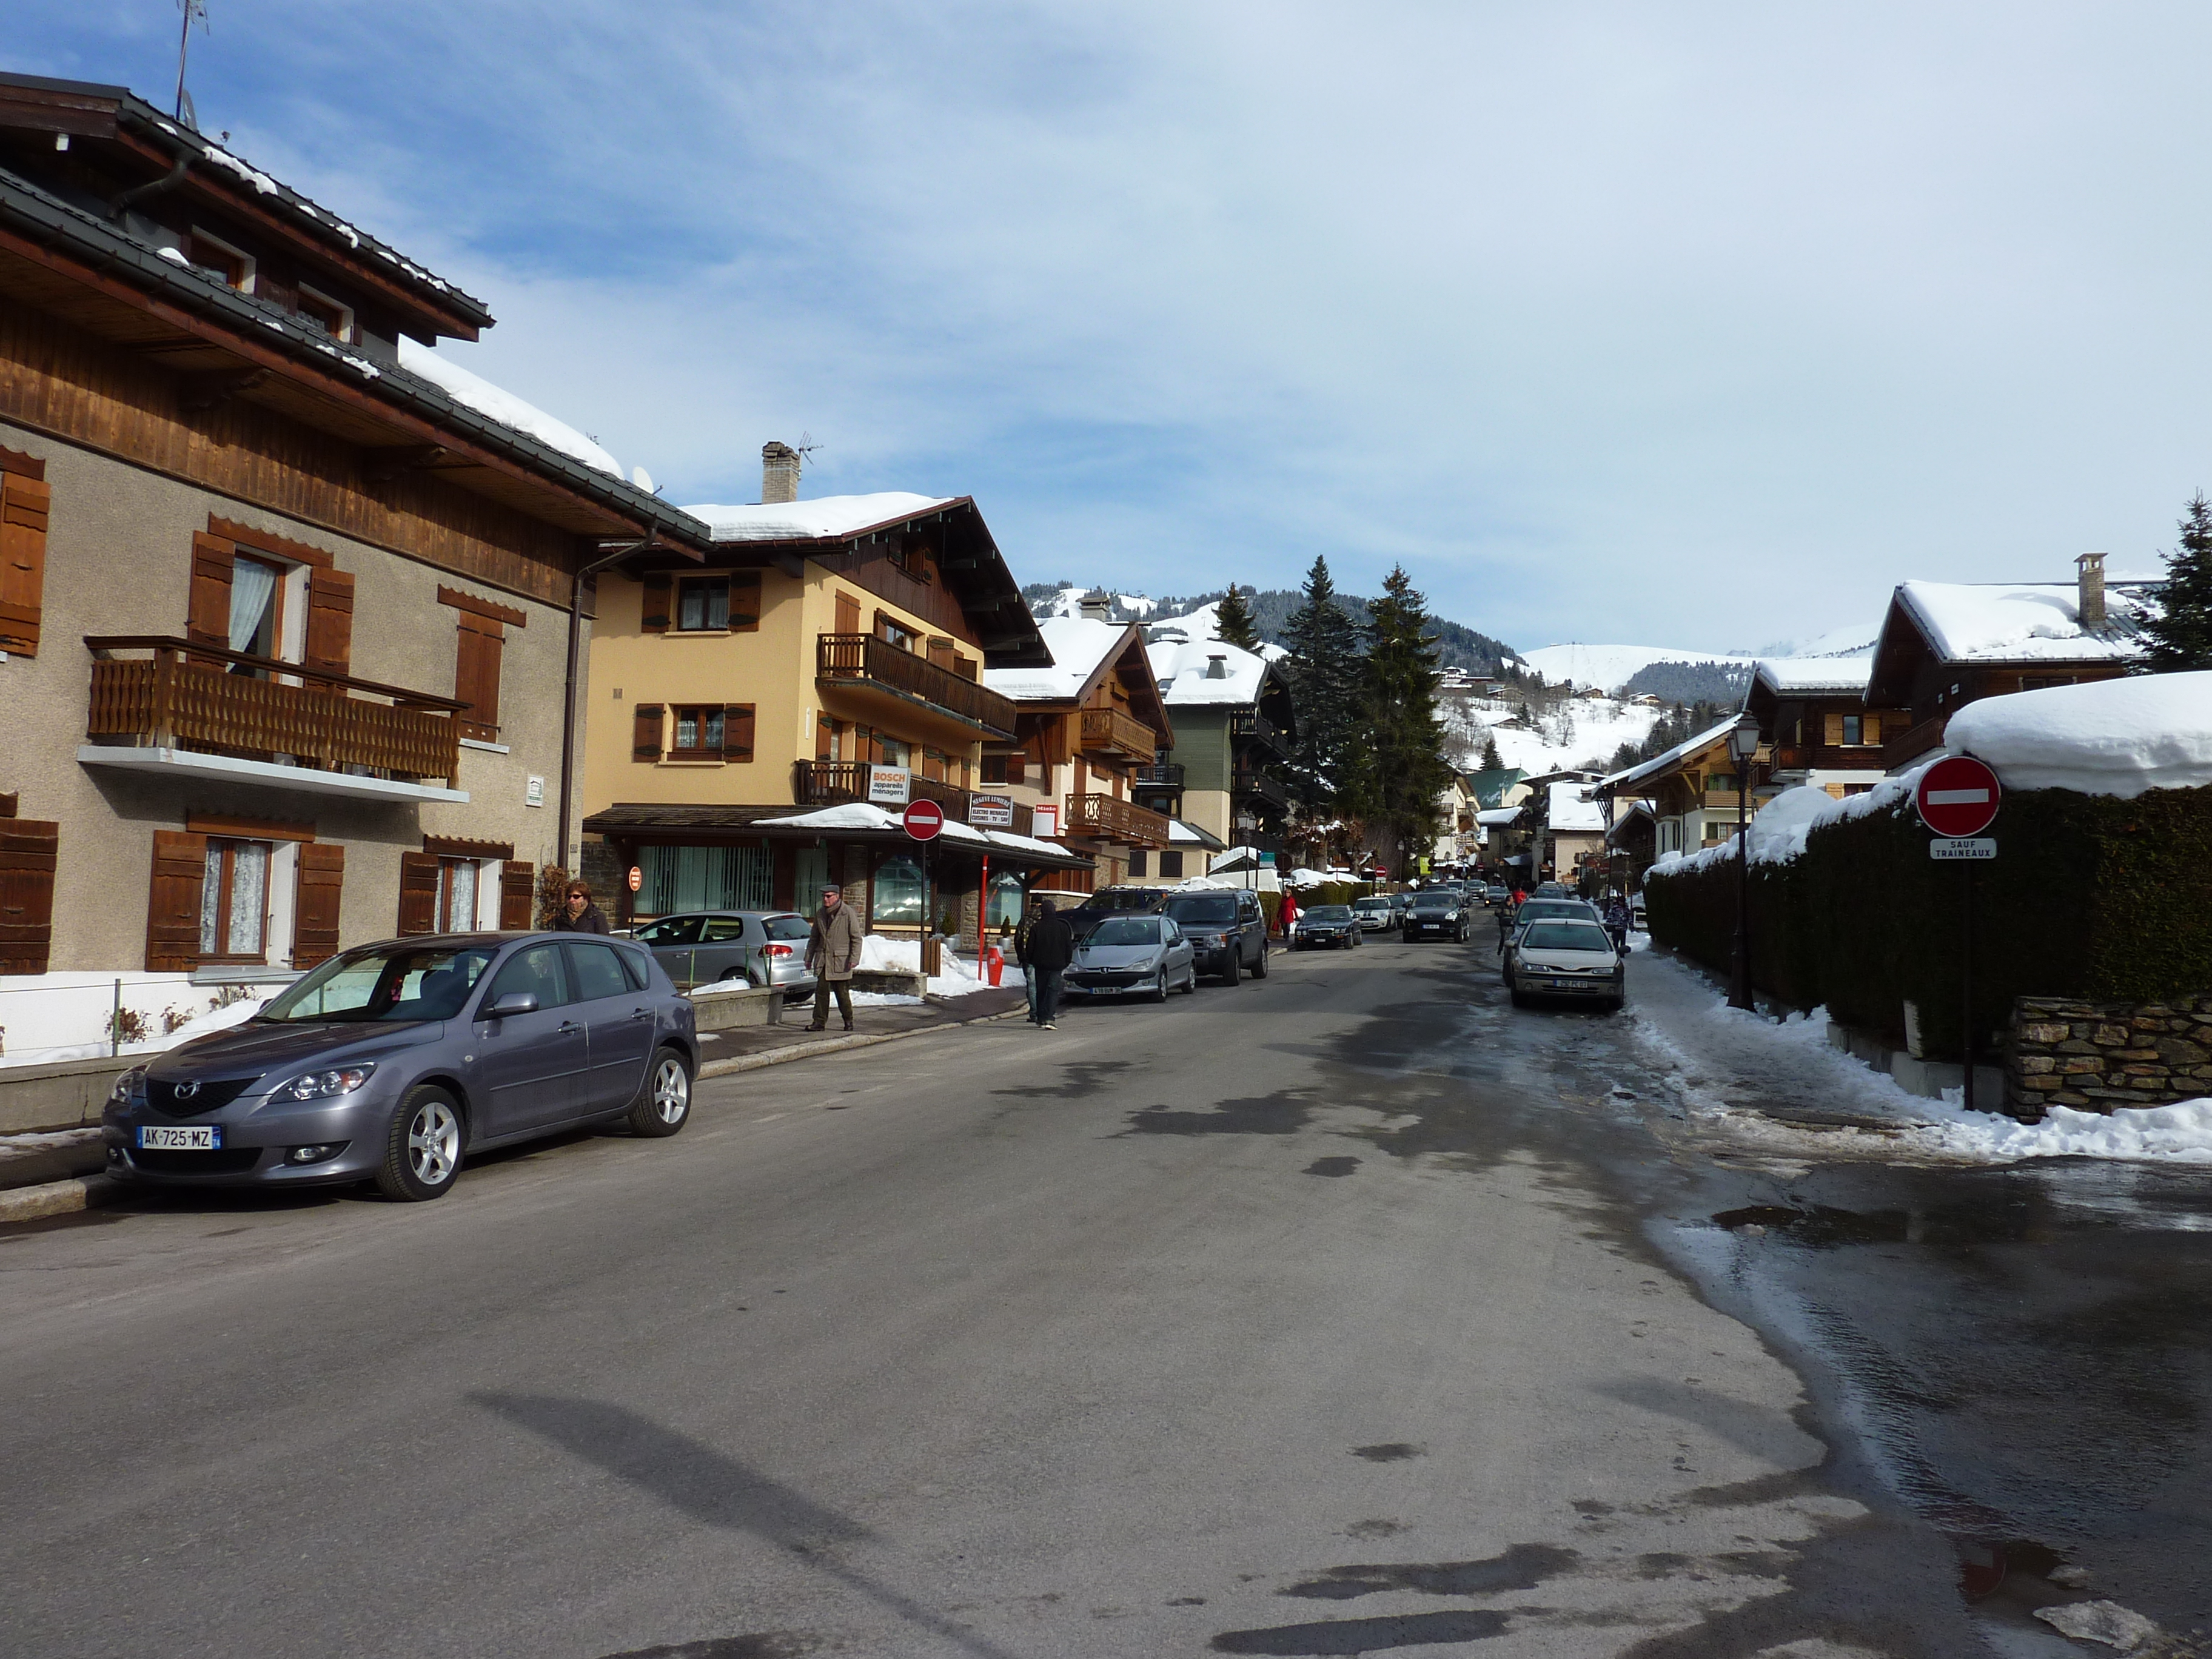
x=897, y=900
x=1008, y=898
x=234, y=901
x=679, y=879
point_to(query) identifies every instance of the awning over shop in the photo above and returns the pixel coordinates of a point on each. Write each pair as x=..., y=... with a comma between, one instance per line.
x=853, y=821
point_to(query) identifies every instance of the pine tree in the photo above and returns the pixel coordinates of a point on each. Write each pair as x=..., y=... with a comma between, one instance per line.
x=2181, y=638
x=1324, y=673
x=1233, y=621
x=1404, y=739
x=1492, y=760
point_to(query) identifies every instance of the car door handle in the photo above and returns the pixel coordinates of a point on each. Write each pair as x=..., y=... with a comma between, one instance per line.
x=570, y=1025
x=641, y=1014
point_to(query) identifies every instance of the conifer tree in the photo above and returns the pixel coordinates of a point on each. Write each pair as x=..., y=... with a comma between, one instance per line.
x=1324, y=673
x=1492, y=760
x=1232, y=621
x=1404, y=736
x=2181, y=637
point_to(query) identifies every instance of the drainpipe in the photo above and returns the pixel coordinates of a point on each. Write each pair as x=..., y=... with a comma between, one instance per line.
x=569, y=694
x=169, y=181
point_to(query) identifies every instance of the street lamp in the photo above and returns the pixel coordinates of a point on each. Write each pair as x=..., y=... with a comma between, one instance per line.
x=1742, y=745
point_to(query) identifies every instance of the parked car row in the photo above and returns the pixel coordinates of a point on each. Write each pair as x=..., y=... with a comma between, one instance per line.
x=1152, y=940
x=393, y=1062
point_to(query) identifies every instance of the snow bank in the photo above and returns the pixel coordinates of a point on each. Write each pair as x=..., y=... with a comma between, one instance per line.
x=2112, y=738
x=879, y=955
x=497, y=403
x=46, y=1018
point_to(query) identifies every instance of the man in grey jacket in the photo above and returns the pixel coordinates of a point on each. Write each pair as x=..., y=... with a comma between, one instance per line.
x=833, y=951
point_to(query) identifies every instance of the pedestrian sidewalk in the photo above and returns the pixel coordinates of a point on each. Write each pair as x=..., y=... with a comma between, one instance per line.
x=746, y=1046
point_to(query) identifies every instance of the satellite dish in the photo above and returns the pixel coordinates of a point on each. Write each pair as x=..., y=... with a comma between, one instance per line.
x=643, y=480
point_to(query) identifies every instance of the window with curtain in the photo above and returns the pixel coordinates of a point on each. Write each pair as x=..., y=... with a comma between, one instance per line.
x=234, y=901
x=677, y=878
x=456, y=895
x=253, y=610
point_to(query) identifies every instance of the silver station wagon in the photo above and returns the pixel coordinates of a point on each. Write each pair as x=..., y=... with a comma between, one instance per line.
x=391, y=1062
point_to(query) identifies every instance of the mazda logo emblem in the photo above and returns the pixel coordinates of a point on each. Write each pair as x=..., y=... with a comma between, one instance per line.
x=186, y=1091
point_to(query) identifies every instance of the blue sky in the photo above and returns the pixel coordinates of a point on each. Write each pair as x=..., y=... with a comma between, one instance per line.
x=1695, y=325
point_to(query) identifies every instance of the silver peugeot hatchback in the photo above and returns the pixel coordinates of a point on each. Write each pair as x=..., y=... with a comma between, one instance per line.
x=391, y=1062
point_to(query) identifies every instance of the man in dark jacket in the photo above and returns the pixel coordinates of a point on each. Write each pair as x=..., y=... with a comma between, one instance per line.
x=1045, y=957
x=578, y=914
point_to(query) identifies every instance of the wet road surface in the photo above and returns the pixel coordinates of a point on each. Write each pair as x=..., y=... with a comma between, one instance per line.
x=1348, y=1311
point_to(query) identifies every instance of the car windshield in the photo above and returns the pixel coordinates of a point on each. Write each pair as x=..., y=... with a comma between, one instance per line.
x=1551, y=909
x=395, y=981
x=1372, y=904
x=789, y=928
x=1434, y=901
x=1329, y=913
x=1127, y=930
x=1566, y=936
x=1203, y=909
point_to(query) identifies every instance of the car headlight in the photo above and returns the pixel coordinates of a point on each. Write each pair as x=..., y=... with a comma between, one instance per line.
x=320, y=1086
x=127, y=1086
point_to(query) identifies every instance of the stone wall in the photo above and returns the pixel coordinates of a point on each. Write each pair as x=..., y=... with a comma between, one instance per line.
x=2095, y=1056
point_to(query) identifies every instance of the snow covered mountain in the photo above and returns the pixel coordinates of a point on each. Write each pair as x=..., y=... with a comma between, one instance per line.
x=1612, y=666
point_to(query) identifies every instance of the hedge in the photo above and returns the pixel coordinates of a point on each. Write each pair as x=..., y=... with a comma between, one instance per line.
x=2090, y=897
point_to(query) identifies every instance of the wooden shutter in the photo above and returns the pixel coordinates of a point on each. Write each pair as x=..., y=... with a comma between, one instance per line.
x=418, y=893
x=315, y=923
x=207, y=619
x=849, y=614
x=28, y=850
x=825, y=737
x=518, y=896
x=737, y=731
x=23, y=504
x=1833, y=733
x=744, y=601
x=330, y=622
x=657, y=587
x=476, y=676
x=1870, y=728
x=645, y=739
x=940, y=653
x=173, y=908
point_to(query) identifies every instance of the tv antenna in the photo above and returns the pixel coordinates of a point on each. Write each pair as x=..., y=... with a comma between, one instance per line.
x=192, y=9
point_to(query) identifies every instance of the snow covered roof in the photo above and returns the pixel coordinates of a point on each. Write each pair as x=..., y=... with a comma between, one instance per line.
x=1567, y=810
x=496, y=402
x=1995, y=622
x=826, y=518
x=1078, y=645
x=852, y=815
x=2117, y=736
x=1660, y=765
x=1189, y=835
x=1181, y=672
x=1786, y=675
x=1497, y=814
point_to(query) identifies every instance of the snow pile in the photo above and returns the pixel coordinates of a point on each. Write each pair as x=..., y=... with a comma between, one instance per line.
x=497, y=403
x=2112, y=737
x=879, y=955
x=825, y=517
x=2180, y=1133
x=47, y=1018
x=1077, y=646
x=1787, y=837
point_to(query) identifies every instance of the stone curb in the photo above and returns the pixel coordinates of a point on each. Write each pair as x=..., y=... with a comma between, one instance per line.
x=56, y=1198
x=715, y=1068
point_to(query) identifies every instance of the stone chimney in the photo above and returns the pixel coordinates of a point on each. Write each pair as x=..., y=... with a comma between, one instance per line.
x=2091, y=567
x=1217, y=666
x=1098, y=605
x=778, y=473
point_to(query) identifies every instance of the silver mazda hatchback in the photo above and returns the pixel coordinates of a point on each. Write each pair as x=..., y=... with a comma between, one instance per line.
x=391, y=1062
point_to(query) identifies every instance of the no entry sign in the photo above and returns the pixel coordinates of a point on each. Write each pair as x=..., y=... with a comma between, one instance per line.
x=1958, y=797
x=924, y=819
x=636, y=879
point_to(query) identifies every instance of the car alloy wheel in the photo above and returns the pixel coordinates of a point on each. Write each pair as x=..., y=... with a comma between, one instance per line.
x=1160, y=985
x=664, y=1105
x=433, y=1143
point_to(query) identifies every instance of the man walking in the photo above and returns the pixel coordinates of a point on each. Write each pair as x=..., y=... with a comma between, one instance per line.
x=833, y=951
x=1051, y=947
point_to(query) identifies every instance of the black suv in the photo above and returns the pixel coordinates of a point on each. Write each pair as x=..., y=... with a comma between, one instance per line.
x=1438, y=910
x=1111, y=901
x=1227, y=931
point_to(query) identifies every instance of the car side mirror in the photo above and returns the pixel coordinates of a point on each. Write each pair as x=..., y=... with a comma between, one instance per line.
x=514, y=1002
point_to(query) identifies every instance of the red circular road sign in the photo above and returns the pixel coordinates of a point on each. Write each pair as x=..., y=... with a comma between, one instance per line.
x=1958, y=797
x=924, y=819
x=636, y=879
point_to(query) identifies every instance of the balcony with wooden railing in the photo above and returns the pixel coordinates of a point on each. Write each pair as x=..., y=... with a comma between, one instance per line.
x=1163, y=775
x=834, y=783
x=1115, y=735
x=863, y=664
x=1249, y=784
x=190, y=696
x=1107, y=817
x=1911, y=745
x=1251, y=726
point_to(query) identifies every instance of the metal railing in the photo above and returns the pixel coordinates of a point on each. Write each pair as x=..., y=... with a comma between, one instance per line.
x=863, y=658
x=1107, y=817
x=1164, y=775
x=1253, y=726
x=1110, y=732
x=184, y=696
x=833, y=783
x=1249, y=782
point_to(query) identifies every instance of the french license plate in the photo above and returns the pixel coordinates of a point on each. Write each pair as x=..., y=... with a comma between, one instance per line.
x=180, y=1138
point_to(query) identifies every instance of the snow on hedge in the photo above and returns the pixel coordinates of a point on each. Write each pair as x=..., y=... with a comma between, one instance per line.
x=2112, y=737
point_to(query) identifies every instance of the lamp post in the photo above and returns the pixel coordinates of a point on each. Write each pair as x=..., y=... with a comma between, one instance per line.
x=1742, y=745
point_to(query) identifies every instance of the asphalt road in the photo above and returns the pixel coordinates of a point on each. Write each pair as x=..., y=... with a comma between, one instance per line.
x=1321, y=1315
